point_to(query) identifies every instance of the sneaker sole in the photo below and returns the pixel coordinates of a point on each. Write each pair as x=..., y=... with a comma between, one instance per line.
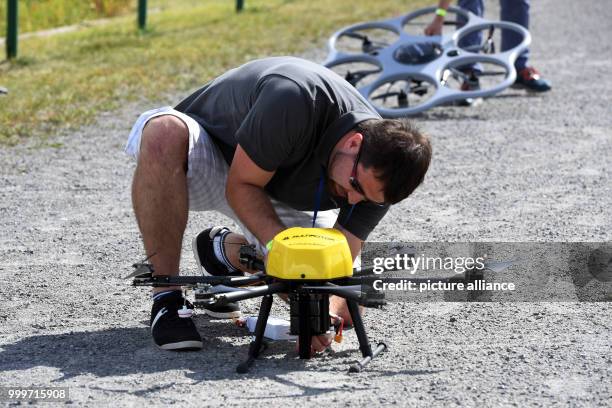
x=182, y=345
x=528, y=89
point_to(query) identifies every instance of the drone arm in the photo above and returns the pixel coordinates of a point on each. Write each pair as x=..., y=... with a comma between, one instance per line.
x=347, y=292
x=270, y=289
x=164, y=280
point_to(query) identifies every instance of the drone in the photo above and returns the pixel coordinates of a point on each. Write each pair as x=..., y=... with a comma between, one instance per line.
x=308, y=265
x=402, y=72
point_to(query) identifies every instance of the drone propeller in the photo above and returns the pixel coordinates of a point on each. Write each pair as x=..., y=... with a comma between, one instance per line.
x=354, y=77
x=416, y=87
x=367, y=46
x=141, y=267
x=402, y=97
x=490, y=73
x=487, y=46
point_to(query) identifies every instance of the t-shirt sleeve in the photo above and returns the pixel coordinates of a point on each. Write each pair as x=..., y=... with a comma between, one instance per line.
x=362, y=220
x=275, y=129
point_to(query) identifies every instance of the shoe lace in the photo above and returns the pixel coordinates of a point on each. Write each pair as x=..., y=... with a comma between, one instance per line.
x=186, y=302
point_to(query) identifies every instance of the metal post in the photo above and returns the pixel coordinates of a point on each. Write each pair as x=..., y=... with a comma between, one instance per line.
x=11, y=29
x=142, y=14
x=239, y=5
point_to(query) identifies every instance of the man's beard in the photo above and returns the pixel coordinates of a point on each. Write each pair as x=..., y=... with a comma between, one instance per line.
x=331, y=186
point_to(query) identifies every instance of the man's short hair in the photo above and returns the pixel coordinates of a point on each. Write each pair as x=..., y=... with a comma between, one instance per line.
x=399, y=154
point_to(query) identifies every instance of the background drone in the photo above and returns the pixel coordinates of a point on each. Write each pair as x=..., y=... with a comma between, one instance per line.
x=403, y=72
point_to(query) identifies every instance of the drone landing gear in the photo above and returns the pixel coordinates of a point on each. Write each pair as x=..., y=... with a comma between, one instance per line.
x=364, y=344
x=258, y=343
x=310, y=317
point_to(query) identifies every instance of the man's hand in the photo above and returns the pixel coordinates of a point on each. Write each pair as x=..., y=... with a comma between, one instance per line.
x=320, y=343
x=435, y=27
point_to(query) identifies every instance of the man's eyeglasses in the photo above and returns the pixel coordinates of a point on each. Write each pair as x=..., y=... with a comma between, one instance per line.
x=355, y=183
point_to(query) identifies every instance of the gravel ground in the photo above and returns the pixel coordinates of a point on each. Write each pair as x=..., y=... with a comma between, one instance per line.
x=516, y=168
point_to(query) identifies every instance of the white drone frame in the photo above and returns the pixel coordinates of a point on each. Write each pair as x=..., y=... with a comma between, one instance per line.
x=432, y=72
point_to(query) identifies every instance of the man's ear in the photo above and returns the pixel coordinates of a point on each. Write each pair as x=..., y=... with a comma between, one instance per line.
x=354, y=141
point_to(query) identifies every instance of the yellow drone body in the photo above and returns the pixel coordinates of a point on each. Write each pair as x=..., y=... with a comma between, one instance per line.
x=309, y=254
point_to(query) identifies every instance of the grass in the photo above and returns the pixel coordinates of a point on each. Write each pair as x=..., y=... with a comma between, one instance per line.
x=35, y=15
x=64, y=81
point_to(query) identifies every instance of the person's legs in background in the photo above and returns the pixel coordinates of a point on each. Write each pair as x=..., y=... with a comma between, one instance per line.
x=476, y=7
x=475, y=38
x=471, y=83
x=517, y=11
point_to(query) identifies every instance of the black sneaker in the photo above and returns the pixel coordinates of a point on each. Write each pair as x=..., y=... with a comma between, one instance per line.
x=204, y=252
x=171, y=332
x=229, y=311
x=209, y=265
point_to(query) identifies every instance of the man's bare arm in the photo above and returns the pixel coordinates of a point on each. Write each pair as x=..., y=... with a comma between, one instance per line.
x=435, y=27
x=245, y=194
x=354, y=242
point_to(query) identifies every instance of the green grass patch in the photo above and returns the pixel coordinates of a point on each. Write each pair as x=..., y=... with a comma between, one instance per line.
x=64, y=81
x=35, y=15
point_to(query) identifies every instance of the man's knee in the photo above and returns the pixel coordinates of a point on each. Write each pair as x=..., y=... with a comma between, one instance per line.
x=165, y=139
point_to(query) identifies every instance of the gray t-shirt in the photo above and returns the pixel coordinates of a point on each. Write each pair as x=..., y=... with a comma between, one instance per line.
x=287, y=114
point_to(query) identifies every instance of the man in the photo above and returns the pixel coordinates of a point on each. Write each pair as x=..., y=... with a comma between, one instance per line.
x=515, y=11
x=263, y=143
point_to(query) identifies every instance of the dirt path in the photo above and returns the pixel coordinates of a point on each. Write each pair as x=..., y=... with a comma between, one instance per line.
x=516, y=168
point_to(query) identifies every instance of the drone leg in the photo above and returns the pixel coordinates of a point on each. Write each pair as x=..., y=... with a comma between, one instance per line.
x=260, y=328
x=360, y=365
x=364, y=344
x=305, y=336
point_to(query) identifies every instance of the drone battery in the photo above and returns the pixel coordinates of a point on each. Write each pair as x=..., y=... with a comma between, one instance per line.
x=314, y=308
x=276, y=329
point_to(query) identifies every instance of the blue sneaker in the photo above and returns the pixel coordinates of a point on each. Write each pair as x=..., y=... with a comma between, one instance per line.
x=530, y=79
